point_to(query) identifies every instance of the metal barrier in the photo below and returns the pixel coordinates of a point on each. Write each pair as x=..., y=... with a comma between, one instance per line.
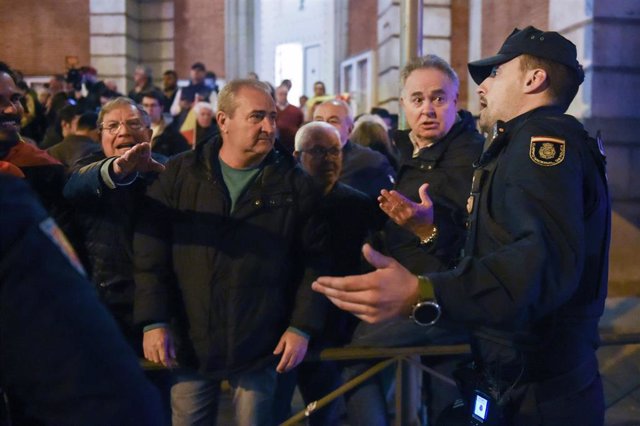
x=401, y=356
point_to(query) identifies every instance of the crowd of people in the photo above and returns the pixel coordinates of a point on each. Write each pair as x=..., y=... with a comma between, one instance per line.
x=223, y=230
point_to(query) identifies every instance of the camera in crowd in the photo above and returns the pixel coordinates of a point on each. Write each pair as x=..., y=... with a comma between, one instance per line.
x=75, y=78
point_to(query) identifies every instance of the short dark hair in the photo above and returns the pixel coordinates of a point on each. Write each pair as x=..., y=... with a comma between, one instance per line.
x=198, y=66
x=563, y=81
x=155, y=94
x=68, y=112
x=170, y=72
x=88, y=121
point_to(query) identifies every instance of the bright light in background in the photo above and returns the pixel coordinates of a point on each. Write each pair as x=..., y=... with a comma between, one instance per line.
x=289, y=66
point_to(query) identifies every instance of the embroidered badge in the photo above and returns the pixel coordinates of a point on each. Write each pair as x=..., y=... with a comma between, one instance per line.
x=546, y=150
x=51, y=230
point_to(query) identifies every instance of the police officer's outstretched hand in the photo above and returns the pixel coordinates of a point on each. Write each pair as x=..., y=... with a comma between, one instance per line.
x=417, y=218
x=388, y=292
x=137, y=159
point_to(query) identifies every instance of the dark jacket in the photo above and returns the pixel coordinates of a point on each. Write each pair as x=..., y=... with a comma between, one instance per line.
x=62, y=358
x=534, y=280
x=72, y=148
x=242, y=277
x=170, y=142
x=366, y=170
x=106, y=220
x=448, y=168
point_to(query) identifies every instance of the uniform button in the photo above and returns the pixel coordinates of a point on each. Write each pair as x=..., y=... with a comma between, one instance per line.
x=104, y=284
x=258, y=203
x=421, y=166
x=429, y=167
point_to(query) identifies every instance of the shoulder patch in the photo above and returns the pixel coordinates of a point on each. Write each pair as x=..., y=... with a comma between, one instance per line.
x=546, y=150
x=57, y=237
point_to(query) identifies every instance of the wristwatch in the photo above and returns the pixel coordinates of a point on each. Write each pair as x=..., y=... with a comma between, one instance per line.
x=426, y=313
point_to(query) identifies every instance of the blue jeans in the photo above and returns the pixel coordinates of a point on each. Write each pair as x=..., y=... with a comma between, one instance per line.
x=194, y=398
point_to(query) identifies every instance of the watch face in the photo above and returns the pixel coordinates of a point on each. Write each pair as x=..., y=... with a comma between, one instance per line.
x=426, y=313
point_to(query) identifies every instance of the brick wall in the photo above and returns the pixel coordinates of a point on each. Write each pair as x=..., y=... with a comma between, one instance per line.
x=363, y=26
x=500, y=17
x=199, y=35
x=37, y=36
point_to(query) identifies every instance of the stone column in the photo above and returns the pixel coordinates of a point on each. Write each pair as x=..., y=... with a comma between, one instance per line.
x=239, y=38
x=436, y=38
x=157, y=47
x=114, y=33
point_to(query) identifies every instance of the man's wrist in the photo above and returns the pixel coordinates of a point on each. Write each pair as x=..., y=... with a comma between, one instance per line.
x=430, y=238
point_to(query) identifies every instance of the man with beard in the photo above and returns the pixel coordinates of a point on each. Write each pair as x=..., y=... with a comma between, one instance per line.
x=106, y=189
x=532, y=284
x=43, y=172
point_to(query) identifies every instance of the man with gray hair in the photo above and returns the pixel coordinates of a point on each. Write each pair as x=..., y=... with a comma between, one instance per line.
x=362, y=168
x=436, y=157
x=351, y=215
x=230, y=244
x=106, y=190
x=143, y=82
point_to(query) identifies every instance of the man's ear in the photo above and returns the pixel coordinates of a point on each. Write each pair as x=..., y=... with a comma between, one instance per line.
x=535, y=81
x=221, y=118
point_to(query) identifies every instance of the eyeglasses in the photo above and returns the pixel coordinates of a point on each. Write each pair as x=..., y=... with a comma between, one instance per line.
x=318, y=151
x=113, y=127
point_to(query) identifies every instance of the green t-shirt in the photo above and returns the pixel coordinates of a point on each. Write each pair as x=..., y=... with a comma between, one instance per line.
x=238, y=180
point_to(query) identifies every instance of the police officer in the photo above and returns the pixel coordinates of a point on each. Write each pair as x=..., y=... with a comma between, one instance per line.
x=532, y=283
x=62, y=358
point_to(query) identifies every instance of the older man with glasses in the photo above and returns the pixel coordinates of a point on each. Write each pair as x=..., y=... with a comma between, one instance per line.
x=106, y=189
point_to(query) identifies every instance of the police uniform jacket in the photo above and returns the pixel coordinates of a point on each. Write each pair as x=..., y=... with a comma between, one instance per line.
x=240, y=277
x=448, y=167
x=62, y=359
x=533, y=282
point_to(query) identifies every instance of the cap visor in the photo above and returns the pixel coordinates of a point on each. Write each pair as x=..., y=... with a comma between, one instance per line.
x=481, y=69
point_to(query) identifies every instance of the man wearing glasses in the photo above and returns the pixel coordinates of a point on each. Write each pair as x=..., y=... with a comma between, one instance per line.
x=106, y=189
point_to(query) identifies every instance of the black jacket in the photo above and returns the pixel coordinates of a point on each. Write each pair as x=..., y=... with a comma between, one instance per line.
x=105, y=218
x=240, y=278
x=170, y=142
x=448, y=168
x=534, y=280
x=366, y=170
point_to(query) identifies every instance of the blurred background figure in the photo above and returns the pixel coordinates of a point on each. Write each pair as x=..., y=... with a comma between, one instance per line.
x=169, y=88
x=166, y=139
x=289, y=118
x=371, y=131
x=143, y=80
x=199, y=126
x=83, y=141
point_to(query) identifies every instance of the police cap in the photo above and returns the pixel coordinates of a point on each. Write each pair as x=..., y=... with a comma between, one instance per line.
x=531, y=41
